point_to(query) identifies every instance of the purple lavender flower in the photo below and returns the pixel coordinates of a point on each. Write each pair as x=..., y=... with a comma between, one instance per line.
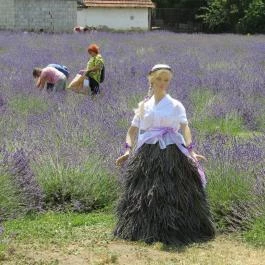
x=75, y=127
x=1, y=230
x=2, y=102
x=24, y=179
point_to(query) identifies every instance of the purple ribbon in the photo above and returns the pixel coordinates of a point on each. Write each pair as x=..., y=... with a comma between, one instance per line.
x=155, y=132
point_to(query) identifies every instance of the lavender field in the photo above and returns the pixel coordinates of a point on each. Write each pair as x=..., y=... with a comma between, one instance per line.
x=58, y=150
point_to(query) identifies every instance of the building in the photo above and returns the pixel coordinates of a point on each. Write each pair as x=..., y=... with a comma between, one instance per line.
x=116, y=14
x=38, y=15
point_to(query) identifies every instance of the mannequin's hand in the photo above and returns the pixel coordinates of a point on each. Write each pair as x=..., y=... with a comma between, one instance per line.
x=197, y=157
x=122, y=159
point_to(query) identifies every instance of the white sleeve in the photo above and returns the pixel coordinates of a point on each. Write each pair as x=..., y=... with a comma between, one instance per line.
x=182, y=117
x=135, y=121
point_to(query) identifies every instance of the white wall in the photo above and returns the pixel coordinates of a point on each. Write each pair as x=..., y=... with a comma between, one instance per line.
x=114, y=18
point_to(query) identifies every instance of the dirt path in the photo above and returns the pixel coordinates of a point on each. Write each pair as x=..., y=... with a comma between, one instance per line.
x=222, y=251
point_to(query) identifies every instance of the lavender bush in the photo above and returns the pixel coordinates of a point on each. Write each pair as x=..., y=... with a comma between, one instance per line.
x=235, y=188
x=77, y=188
x=10, y=203
x=19, y=193
x=73, y=140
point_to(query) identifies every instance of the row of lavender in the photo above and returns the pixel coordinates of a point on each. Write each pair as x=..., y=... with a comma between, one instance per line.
x=59, y=149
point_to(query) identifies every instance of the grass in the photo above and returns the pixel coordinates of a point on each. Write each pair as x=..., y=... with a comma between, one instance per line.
x=28, y=105
x=122, y=123
x=231, y=125
x=260, y=120
x=220, y=66
x=2, y=50
x=203, y=100
x=58, y=228
x=256, y=234
x=69, y=238
x=227, y=185
x=52, y=229
x=133, y=101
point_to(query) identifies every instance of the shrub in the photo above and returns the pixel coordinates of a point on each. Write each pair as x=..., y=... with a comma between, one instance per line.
x=10, y=201
x=235, y=188
x=227, y=188
x=19, y=193
x=79, y=188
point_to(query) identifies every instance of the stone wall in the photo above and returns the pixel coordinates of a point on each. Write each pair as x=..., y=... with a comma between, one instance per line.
x=7, y=14
x=38, y=15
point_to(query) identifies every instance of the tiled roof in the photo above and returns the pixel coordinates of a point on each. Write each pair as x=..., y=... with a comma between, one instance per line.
x=119, y=3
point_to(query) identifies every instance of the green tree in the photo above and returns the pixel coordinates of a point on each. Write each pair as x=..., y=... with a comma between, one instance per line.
x=253, y=20
x=194, y=4
x=224, y=15
x=166, y=3
x=179, y=3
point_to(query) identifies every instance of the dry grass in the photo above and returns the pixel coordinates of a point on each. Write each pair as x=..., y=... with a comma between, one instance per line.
x=223, y=250
x=79, y=239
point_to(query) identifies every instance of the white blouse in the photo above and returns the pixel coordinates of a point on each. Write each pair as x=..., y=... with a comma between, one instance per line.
x=161, y=123
x=167, y=114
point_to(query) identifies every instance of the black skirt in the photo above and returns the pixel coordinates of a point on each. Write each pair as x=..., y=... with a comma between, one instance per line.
x=163, y=199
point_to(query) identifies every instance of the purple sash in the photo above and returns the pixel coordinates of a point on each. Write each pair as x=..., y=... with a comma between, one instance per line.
x=159, y=133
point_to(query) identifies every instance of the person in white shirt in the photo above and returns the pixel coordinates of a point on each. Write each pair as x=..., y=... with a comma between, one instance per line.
x=163, y=195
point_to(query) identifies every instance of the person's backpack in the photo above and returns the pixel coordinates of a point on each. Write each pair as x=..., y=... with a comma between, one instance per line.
x=102, y=74
x=62, y=68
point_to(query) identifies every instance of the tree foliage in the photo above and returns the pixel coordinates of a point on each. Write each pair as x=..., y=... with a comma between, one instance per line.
x=234, y=15
x=243, y=16
x=179, y=3
x=254, y=18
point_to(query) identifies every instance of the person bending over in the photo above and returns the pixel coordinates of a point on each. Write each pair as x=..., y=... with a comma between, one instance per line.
x=53, y=79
